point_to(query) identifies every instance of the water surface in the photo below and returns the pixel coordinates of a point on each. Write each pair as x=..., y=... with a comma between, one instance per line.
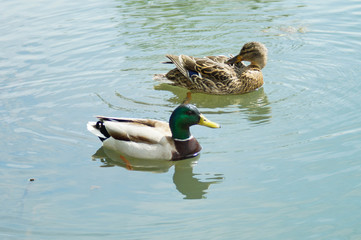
x=284, y=165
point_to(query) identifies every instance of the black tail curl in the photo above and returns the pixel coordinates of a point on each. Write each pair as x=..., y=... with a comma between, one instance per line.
x=100, y=126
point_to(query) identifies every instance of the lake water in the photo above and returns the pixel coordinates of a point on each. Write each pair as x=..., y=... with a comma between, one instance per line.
x=286, y=163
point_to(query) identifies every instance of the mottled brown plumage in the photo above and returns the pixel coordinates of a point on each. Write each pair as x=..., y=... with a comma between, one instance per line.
x=220, y=74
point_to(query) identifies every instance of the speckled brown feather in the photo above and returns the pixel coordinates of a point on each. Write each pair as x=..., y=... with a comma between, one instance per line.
x=217, y=80
x=215, y=76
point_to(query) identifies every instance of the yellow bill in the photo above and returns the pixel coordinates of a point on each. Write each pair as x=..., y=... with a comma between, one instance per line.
x=205, y=122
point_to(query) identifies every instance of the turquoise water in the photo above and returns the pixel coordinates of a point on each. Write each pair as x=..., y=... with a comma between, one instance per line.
x=286, y=163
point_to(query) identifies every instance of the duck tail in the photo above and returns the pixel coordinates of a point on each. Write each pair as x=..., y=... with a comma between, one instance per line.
x=98, y=129
x=167, y=62
x=177, y=60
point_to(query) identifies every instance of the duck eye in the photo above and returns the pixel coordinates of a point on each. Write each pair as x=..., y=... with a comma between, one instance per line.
x=189, y=112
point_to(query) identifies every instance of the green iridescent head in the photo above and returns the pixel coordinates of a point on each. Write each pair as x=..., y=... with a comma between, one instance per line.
x=184, y=116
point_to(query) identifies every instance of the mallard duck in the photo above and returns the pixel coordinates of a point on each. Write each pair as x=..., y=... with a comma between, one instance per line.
x=220, y=74
x=153, y=139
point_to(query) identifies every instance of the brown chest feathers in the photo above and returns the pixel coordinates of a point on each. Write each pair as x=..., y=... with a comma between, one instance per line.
x=186, y=149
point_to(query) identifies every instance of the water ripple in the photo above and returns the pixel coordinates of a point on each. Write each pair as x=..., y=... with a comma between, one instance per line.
x=289, y=152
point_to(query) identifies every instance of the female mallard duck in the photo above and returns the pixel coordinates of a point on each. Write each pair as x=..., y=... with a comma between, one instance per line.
x=219, y=74
x=153, y=139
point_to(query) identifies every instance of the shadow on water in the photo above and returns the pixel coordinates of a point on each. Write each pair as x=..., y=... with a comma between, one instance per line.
x=186, y=181
x=255, y=104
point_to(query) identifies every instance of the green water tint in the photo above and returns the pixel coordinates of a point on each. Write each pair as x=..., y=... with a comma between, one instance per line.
x=286, y=159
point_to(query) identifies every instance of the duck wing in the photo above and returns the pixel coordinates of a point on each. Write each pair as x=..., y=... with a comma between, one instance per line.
x=130, y=129
x=219, y=59
x=205, y=68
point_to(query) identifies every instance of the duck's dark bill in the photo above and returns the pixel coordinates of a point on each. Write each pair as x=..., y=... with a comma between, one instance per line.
x=234, y=60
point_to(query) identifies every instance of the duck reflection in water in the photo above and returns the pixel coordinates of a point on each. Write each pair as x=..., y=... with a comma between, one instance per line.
x=254, y=104
x=186, y=181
